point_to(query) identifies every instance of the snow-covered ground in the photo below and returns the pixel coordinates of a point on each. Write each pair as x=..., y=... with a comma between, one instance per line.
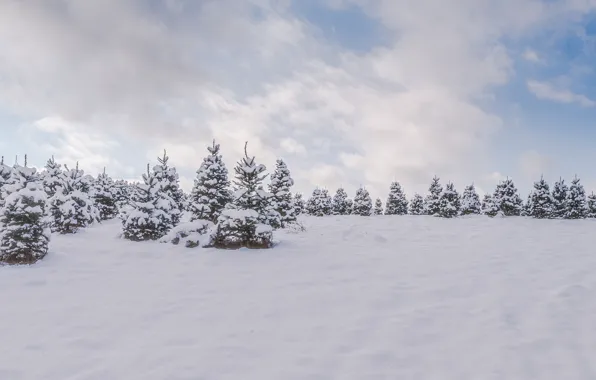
x=350, y=298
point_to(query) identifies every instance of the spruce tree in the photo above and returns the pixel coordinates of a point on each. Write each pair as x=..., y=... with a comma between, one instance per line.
x=280, y=188
x=591, y=209
x=150, y=217
x=576, y=201
x=24, y=232
x=527, y=207
x=72, y=208
x=362, y=203
x=314, y=205
x=432, y=202
x=299, y=203
x=326, y=202
x=378, y=207
x=450, y=202
x=340, y=203
x=559, y=199
x=53, y=177
x=506, y=198
x=489, y=207
x=211, y=191
x=470, y=201
x=396, y=204
x=541, y=206
x=170, y=184
x=248, y=221
x=122, y=192
x=417, y=205
x=350, y=206
x=104, y=197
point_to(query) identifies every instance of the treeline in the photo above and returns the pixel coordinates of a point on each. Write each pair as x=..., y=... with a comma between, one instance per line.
x=566, y=202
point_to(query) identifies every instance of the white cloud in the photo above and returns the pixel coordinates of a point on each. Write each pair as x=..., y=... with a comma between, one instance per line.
x=532, y=56
x=180, y=73
x=545, y=90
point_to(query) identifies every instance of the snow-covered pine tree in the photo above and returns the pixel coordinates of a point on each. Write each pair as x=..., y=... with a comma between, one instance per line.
x=72, y=208
x=470, y=201
x=507, y=199
x=432, y=202
x=326, y=202
x=450, y=203
x=170, y=181
x=489, y=207
x=559, y=199
x=417, y=205
x=53, y=177
x=350, y=206
x=150, y=217
x=340, y=203
x=591, y=209
x=104, y=197
x=378, y=210
x=211, y=191
x=541, y=206
x=280, y=189
x=396, y=204
x=527, y=207
x=248, y=221
x=24, y=232
x=5, y=172
x=122, y=192
x=576, y=201
x=313, y=205
x=362, y=203
x=299, y=205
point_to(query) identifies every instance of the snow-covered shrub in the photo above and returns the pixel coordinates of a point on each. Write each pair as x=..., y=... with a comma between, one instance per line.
x=104, y=197
x=378, y=210
x=299, y=205
x=576, y=201
x=340, y=204
x=489, y=207
x=506, y=198
x=417, y=205
x=541, y=202
x=191, y=234
x=280, y=189
x=449, y=204
x=470, y=201
x=559, y=199
x=396, y=204
x=432, y=202
x=238, y=228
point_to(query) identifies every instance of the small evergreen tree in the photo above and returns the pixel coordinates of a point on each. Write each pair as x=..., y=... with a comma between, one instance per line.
x=576, y=201
x=211, y=191
x=470, y=201
x=280, y=188
x=104, y=197
x=417, y=205
x=506, y=198
x=489, y=207
x=150, y=217
x=122, y=192
x=559, y=199
x=378, y=207
x=314, y=205
x=326, y=202
x=362, y=203
x=53, y=178
x=249, y=219
x=396, y=204
x=432, y=202
x=591, y=211
x=24, y=233
x=450, y=203
x=527, y=207
x=541, y=206
x=350, y=206
x=170, y=184
x=299, y=203
x=72, y=208
x=340, y=204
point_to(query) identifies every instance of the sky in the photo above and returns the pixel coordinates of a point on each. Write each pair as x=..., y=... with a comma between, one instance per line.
x=348, y=92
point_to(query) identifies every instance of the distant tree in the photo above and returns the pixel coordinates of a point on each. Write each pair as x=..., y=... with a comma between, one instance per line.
x=559, y=199
x=470, y=201
x=591, y=212
x=52, y=177
x=314, y=205
x=170, y=184
x=326, y=202
x=378, y=207
x=450, y=203
x=417, y=205
x=340, y=204
x=576, y=201
x=541, y=206
x=432, y=202
x=299, y=203
x=396, y=204
x=489, y=207
x=104, y=197
x=507, y=199
x=362, y=203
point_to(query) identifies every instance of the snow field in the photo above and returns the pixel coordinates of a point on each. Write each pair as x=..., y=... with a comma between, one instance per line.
x=382, y=297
